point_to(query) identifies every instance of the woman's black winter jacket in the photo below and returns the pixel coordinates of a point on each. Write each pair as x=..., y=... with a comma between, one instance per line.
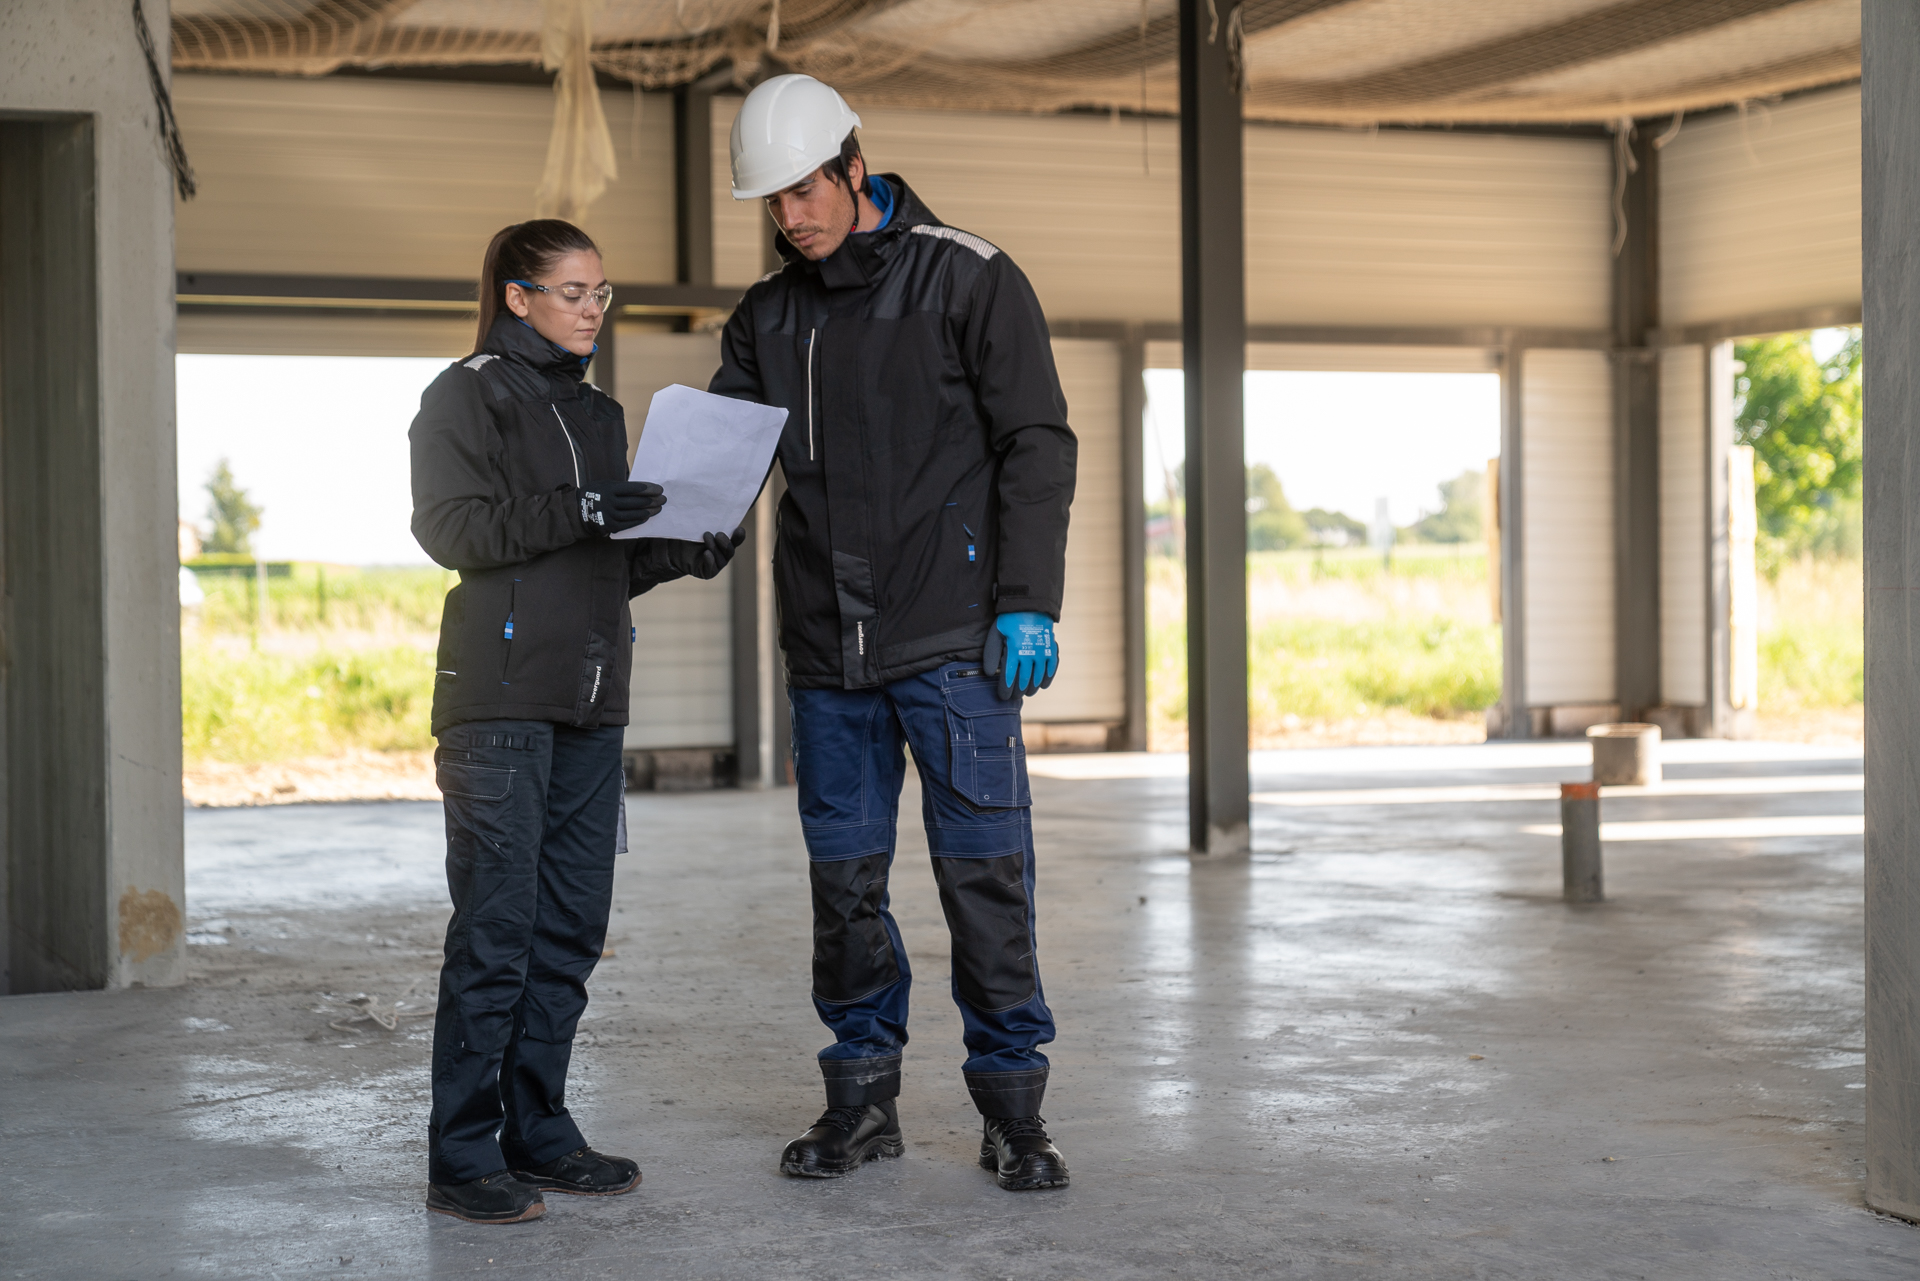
x=538, y=627
x=928, y=460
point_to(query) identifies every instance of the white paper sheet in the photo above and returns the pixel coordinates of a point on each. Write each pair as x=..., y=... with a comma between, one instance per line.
x=710, y=453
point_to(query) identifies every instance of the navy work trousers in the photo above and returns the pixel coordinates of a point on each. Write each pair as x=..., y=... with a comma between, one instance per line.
x=533, y=812
x=849, y=760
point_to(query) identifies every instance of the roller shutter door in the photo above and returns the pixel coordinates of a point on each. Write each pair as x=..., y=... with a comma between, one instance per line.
x=1395, y=229
x=1092, y=681
x=352, y=176
x=1760, y=211
x=239, y=333
x=683, y=647
x=1567, y=507
x=1683, y=526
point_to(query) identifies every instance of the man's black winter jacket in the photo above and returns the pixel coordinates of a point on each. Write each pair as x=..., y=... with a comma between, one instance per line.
x=928, y=460
x=538, y=627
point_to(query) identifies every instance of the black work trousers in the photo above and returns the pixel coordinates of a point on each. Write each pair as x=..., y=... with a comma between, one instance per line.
x=533, y=823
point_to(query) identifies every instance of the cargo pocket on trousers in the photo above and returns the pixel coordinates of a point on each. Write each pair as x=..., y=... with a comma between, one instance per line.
x=470, y=782
x=852, y=951
x=985, y=901
x=988, y=758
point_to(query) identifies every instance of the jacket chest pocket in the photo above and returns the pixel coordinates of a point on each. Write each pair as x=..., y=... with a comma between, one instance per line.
x=988, y=757
x=545, y=450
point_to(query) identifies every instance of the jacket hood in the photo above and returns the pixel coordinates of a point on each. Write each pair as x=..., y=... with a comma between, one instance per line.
x=862, y=256
x=512, y=338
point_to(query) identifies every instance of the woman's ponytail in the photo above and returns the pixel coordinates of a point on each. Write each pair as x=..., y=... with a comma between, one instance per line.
x=521, y=252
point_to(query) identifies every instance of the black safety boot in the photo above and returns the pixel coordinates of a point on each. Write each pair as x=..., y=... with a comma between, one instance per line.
x=843, y=1139
x=496, y=1198
x=1021, y=1156
x=583, y=1172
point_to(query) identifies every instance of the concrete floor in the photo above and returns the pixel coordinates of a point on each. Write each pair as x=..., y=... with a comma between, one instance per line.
x=1379, y=1047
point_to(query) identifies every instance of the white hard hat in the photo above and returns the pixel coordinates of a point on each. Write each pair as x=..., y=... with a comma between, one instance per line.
x=788, y=127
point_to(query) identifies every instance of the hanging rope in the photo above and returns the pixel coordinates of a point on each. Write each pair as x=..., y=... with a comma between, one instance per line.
x=1623, y=164
x=184, y=180
x=580, y=159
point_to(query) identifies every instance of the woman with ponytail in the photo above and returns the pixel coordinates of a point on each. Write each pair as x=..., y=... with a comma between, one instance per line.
x=519, y=480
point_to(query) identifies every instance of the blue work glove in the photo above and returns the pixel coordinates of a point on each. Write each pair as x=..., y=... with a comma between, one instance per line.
x=1021, y=651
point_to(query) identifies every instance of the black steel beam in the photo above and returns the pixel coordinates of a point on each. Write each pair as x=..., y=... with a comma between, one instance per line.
x=1636, y=435
x=1214, y=333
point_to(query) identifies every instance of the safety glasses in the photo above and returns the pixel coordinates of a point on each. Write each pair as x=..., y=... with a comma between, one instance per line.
x=572, y=297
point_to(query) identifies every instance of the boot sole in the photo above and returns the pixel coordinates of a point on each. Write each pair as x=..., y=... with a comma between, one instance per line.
x=447, y=1208
x=1032, y=1183
x=874, y=1151
x=551, y=1185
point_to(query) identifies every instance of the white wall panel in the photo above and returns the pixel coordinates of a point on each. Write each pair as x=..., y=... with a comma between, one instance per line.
x=1761, y=211
x=683, y=653
x=364, y=177
x=1091, y=685
x=1683, y=525
x=1567, y=506
x=1421, y=228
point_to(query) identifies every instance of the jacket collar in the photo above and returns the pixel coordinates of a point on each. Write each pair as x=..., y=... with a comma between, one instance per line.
x=862, y=258
x=512, y=338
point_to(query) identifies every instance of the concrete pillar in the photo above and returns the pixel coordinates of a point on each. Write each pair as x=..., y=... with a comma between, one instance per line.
x=1214, y=327
x=1636, y=437
x=1720, y=712
x=92, y=689
x=1890, y=246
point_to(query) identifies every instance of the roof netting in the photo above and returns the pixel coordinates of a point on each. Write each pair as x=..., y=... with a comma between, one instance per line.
x=1327, y=61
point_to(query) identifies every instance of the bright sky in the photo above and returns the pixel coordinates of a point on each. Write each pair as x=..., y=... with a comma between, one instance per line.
x=319, y=441
x=1343, y=440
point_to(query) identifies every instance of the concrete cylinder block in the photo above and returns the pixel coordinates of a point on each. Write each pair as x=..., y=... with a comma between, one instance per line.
x=1625, y=754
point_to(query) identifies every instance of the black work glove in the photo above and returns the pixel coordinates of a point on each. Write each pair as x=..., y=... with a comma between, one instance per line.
x=621, y=504
x=710, y=555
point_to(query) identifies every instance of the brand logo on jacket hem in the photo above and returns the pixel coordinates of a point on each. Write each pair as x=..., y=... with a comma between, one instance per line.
x=860, y=637
x=595, y=696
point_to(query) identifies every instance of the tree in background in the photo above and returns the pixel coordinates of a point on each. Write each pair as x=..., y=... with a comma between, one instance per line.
x=1802, y=417
x=1272, y=523
x=1334, y=529
x=1463, y=505
x=233, y=516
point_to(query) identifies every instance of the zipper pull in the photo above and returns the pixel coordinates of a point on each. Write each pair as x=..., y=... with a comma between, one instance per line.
x=509, y=632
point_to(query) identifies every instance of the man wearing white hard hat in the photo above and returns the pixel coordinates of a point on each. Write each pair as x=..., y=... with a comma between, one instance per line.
x=919, y=566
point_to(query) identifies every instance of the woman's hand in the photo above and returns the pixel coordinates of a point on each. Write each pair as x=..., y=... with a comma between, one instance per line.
x=607, y=509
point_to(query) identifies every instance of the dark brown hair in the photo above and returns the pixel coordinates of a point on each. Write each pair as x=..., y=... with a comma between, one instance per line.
x=837, y=169
x=521, y=252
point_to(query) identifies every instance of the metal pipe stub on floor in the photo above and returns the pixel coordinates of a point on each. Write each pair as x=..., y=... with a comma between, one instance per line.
x=1580, y=841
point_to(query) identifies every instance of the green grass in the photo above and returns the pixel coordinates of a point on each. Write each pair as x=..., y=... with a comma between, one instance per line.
x=262, y=707
x=361, y=675
x=328, y=597
x=1813, y=651
x=1324, y=669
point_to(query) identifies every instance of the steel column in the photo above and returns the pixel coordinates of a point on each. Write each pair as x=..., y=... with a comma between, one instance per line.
x=1133, y=532
x=1517, y=723
x=1890, y=206
x=693, y=184
x=1636, y=437
x=1214, y=330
